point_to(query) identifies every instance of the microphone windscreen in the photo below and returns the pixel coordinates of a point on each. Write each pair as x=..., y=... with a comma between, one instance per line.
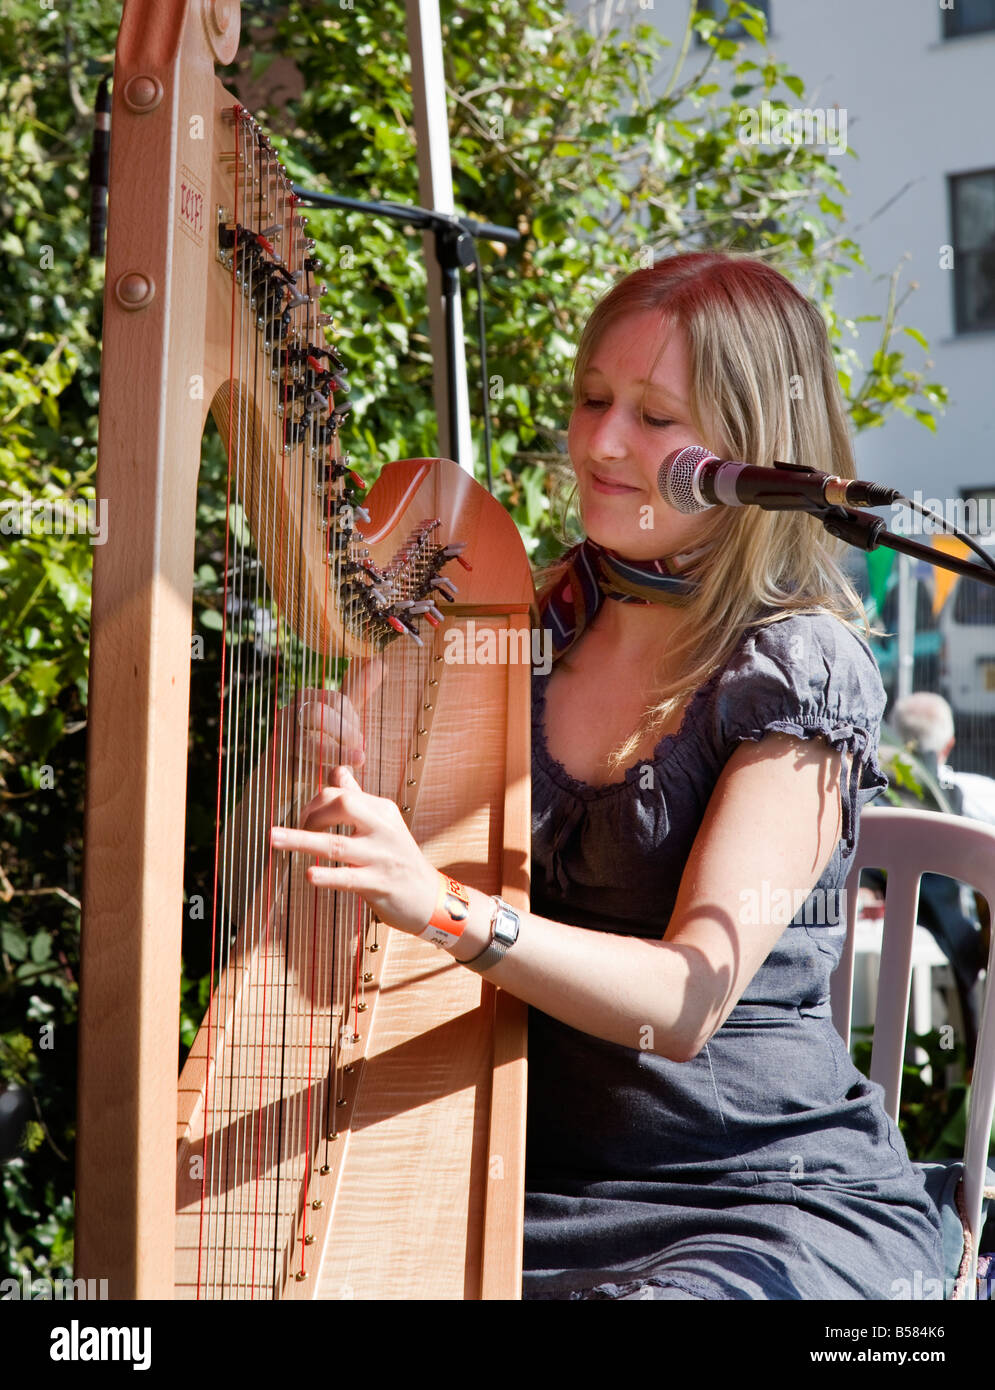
x=675, y=478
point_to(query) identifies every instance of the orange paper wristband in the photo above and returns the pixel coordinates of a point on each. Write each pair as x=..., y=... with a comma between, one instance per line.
x=452, y=907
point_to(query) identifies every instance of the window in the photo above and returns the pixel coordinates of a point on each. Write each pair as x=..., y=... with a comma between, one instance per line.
x=972, y=220
x=968, y=17
x=974, y=605
x=733, y=29
x=979, y=510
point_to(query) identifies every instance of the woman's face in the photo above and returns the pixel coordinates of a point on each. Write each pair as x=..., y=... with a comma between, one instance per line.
x=633, y=411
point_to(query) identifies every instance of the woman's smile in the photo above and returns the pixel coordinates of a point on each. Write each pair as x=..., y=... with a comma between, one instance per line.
x=610, y=486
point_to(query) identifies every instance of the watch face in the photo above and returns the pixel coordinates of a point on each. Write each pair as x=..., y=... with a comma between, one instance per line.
x=506, y=926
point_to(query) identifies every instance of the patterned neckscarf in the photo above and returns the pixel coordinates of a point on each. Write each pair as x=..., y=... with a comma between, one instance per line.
x=594, y=574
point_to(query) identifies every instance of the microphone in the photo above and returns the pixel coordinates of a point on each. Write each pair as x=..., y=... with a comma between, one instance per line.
x=692, y=479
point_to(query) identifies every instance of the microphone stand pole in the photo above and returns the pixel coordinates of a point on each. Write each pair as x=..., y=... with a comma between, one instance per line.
x=455, y=248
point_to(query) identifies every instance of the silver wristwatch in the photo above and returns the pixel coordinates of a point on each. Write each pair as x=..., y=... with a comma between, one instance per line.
x=504, y=933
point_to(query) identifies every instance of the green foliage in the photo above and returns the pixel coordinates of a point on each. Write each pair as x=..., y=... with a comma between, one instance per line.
x=560, y=129
x=906, y=780
x=932, y=1112
x=565, y=133
x=49, y=341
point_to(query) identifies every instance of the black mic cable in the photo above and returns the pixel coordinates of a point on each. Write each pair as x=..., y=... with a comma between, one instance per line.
x=100, y=167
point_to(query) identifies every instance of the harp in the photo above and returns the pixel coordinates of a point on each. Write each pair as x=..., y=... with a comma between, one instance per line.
x=350, y=1119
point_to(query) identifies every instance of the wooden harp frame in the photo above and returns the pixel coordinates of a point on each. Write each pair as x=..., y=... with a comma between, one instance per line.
x=425, y=1197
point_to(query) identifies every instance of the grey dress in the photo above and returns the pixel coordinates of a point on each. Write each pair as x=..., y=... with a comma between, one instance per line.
x=764, y=1168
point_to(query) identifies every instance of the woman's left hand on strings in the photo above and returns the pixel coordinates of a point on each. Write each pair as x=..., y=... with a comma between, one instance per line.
x=379, y=860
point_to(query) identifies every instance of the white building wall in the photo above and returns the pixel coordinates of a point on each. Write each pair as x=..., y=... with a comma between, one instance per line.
x=918, y=108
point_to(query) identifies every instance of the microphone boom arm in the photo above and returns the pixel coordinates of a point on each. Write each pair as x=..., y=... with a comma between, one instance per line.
x=867, y=532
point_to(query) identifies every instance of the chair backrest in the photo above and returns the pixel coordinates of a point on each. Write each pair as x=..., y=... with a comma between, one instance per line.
x=907, y=844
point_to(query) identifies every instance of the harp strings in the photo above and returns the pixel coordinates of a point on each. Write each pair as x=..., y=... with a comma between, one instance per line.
x=231, y=1214
x=291, y=964
x=268, y=1057
x=212, y=1081
x=312, y=911
x=289, y=960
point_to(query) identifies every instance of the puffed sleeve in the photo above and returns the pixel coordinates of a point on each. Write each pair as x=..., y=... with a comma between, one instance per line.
x=808, y=675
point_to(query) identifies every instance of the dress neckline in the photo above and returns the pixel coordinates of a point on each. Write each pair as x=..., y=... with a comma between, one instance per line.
x=585, y=790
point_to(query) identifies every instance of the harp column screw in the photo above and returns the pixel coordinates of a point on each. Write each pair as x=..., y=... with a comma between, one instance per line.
x=142, y=93
x=134, y=290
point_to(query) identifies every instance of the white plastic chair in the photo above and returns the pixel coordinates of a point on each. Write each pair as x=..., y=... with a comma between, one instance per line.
x=906, y=844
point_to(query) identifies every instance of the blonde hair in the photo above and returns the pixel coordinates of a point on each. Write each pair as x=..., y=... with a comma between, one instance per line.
x=763, y=388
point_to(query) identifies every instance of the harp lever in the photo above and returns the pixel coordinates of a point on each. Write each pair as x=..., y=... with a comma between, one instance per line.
x=452, y=552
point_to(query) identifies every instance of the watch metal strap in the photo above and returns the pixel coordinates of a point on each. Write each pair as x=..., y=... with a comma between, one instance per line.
x=505, y=923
